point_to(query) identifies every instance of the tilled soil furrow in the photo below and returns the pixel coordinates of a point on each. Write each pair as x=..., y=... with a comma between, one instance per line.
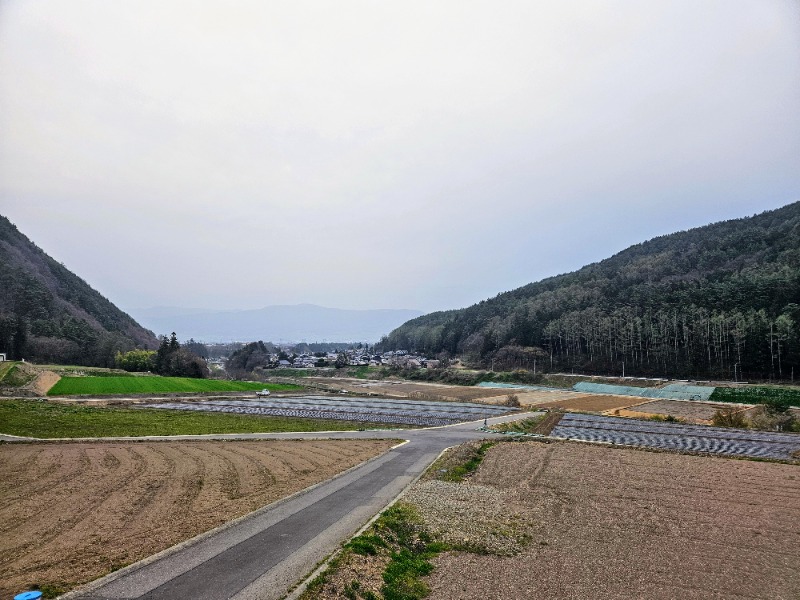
x=121, y=502
x=47, y=547
x=258, y=476
x=297, y=463
x=46, y=472
x=603, y=526
x=228, y=476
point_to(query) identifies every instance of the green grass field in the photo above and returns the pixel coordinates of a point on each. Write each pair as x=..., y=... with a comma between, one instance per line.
x=41, y=419
x=758, y=395
x=71, y=386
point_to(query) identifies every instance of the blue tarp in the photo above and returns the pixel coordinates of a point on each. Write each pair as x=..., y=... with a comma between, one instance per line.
x=673, y=391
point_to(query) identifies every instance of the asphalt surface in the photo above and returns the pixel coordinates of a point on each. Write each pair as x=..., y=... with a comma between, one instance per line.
x=265, y=554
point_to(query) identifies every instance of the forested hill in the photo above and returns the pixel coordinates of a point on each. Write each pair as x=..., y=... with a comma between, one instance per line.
x=720, y=300
x=49, y=314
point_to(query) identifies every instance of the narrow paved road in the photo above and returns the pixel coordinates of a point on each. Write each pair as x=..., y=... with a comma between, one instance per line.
x=265, y=554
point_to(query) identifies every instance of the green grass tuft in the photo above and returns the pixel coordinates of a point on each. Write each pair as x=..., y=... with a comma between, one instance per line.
x=366, y=545
x=459, y=472
x=401, y=526
x=521, y=426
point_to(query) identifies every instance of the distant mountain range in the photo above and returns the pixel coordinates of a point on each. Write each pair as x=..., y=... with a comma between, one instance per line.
x=291, y=323
x=49, y=314
x=721, y=300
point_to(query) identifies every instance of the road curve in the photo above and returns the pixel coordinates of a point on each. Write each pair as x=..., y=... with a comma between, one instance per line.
x=263, y=555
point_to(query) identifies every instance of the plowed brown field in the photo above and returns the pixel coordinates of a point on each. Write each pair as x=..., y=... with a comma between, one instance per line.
x=691, y=412
x=419, y=390
x=621, y=524
x=593, y=403
x=72, y=512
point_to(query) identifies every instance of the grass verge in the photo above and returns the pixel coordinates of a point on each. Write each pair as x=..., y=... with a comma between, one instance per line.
x=522, y=426
x=402, y=546
x=391, y=558
x=72, y=386
x=466, y=465
x=35, y=418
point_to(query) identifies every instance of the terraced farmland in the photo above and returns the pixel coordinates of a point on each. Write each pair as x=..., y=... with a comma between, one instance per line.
x=368, y=410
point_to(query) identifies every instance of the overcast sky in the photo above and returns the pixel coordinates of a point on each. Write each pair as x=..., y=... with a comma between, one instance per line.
x=408, y=154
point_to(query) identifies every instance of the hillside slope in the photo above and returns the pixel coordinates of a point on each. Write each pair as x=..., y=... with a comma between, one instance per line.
x=49, y=314
x=720, y=300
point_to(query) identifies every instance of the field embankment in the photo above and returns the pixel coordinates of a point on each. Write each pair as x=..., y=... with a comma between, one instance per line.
x=73, y=512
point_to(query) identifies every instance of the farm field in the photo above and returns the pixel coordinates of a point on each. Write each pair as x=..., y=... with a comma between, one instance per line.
x=678, y=436
x=70, y=386
x=592, y=403
x=757, y=395
x=71, y=512
x=33, y=418
x=405, y=389
x=618, y=524
x=692, y=412
x=366, y=410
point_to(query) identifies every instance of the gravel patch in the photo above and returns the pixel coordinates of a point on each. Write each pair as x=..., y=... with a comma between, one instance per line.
x=481, y=518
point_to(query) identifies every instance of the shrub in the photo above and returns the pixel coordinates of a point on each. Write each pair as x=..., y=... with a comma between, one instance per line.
x=729, y=417
x=767, y=419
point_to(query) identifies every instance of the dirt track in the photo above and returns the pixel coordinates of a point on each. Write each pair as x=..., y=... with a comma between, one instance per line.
x=72, y=512
x=621, y=524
